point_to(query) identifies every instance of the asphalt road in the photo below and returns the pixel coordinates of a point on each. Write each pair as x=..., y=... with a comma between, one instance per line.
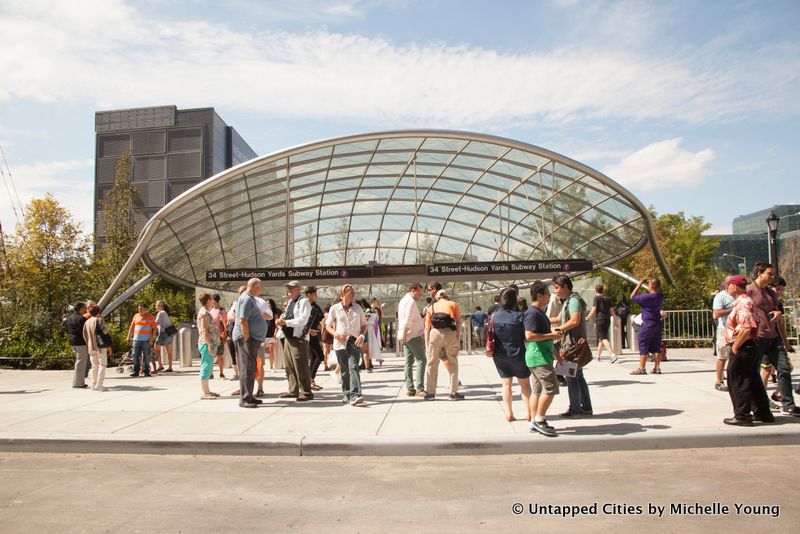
x=150, y=493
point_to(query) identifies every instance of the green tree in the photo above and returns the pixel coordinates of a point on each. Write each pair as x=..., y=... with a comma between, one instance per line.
x=118, y=209
x=48, y=258
x=688, y=255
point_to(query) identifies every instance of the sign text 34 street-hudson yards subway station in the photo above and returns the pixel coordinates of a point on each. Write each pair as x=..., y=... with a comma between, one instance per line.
x=400, y=273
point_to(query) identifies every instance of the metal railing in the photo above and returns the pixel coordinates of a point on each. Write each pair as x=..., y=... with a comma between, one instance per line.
x=698, y=325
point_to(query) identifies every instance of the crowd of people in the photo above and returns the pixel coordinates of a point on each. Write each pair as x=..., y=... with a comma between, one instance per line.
x=530, y=342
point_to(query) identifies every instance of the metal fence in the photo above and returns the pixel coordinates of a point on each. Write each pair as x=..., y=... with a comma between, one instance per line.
x=698, y=325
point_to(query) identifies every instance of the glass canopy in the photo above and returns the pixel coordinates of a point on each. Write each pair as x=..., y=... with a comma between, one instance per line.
x=403, y=197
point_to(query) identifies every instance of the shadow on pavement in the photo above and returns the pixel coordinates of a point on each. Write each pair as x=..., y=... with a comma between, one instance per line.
x=609, y=383
x=615, y=429
x=638, y=413
x=24, y=392
x=134, y=388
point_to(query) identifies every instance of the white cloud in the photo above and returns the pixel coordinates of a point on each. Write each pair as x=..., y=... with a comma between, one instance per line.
x=659, y=165
x=110, y=54
x=719, y=229
x=70, y=181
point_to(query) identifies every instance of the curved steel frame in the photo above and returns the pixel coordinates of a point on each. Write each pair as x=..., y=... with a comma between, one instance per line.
x=150, y=229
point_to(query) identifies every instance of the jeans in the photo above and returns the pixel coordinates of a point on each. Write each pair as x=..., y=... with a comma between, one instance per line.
x=316, y=356
x=578, y=389
x=414, y=350
x=350, y=361
x=775, y=353
x=141, y=349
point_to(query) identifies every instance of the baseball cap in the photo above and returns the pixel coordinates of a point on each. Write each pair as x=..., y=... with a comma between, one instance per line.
x=441, y=293
x=294, y=283
x=735, y=279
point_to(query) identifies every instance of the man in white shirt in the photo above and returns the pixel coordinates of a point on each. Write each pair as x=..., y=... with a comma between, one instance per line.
x=411, y=335
x=348, y=326
x=295, y=344
x=722, y=306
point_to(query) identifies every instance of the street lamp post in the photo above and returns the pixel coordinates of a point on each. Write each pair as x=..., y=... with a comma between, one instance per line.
x=744, y=261
x=772, y=224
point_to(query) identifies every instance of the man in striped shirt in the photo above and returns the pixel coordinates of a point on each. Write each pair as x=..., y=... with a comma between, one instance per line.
x=142, y=333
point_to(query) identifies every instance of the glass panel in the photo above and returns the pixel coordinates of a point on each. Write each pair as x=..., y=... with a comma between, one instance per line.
x=376, y=207
x=400, y=143
x=363, y=240
x=310, y=179
x=266, y=242
x=393, y=157
x=433, y=157
x=406, y=193
x=378, y=181
x=330, y=259
x=451, y=184
x=431, y=225
x=486, y=238
x=514, y=171
x=364, y=222
x=470, y=217
x=351, y=160
x=401, y=206
x=348, y=172
x=485, y=149
x=466, y=174
x=437, y=143
x=312, y=154
x=473, y=162
x=385, y=169
x=335, y=210
x=459, y=230
x=237, y=254
x=229, y=188
x=308, y=167
x=526, y=158
x=343, y=185
x=360, y=146
x=226, y=228
x=398, y=221
x=305, y=216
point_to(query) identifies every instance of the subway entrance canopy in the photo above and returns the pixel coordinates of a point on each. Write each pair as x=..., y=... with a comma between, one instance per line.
x=401, y=198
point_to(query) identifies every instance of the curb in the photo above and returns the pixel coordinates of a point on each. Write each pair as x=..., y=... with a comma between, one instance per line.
x=380, y=446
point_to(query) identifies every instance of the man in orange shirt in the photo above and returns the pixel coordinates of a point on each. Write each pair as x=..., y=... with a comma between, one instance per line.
x=142, y=333
x=441, y=331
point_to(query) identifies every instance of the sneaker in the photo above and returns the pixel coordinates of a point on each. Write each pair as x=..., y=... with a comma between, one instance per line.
x=430, y=396
x=411, y=393
x=614, y=359
x=774, y=407
x=775, y=396
x=356, y=401
x=421, y=393
x=547, y=425
x=257, y=401
x=345, y=399
x=791, y=411
x=543, y=428
x=99, y=388
x=568, y=414
x=720, y=387
x=456, y=396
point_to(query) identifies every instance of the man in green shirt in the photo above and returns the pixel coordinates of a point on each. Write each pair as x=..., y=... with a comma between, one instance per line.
x=539, y=358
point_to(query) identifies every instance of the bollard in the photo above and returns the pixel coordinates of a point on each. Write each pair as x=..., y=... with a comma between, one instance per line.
x=616, y=335
x=185, y=346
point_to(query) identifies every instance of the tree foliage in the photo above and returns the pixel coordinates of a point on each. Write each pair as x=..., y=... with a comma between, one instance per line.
x=688, y=255
x=46, y=263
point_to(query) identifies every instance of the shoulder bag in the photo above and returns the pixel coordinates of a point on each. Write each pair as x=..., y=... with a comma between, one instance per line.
x=490, y=339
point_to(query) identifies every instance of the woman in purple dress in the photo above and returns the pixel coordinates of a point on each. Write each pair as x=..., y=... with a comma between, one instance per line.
x=652, y=324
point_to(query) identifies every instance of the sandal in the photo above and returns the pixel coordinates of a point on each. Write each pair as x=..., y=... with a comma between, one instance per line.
x=316, y=387
x=656, y=371
x=222, y=376
x=639, y=372
x=260, y=393
x=169, y=370
x=208, y=396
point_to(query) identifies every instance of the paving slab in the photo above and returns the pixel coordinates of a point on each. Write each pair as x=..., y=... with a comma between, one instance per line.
x=40, y=411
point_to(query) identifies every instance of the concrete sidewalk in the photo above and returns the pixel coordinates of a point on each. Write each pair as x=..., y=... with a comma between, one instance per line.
x=40, y=411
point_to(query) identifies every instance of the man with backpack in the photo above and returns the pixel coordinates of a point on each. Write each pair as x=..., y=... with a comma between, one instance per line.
x=442, y=332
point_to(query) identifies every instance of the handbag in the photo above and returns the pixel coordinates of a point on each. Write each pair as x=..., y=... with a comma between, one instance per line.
x=490, y=340
x=579, y=352
x=103, y=340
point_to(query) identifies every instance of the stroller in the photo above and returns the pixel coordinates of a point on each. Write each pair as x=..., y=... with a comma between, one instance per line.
x=125, y=364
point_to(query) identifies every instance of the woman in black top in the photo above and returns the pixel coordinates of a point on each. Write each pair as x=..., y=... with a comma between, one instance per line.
x=509, y=351
x=603, y=310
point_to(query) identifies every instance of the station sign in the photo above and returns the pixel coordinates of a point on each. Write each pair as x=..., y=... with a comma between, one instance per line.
x=504, y=270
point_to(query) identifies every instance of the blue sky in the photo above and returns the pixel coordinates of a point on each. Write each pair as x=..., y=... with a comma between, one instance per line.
x=693, y=106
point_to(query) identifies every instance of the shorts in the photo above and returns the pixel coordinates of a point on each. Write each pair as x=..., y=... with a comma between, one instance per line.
x=723, y=349
x=544, y=380
x=601, y=329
